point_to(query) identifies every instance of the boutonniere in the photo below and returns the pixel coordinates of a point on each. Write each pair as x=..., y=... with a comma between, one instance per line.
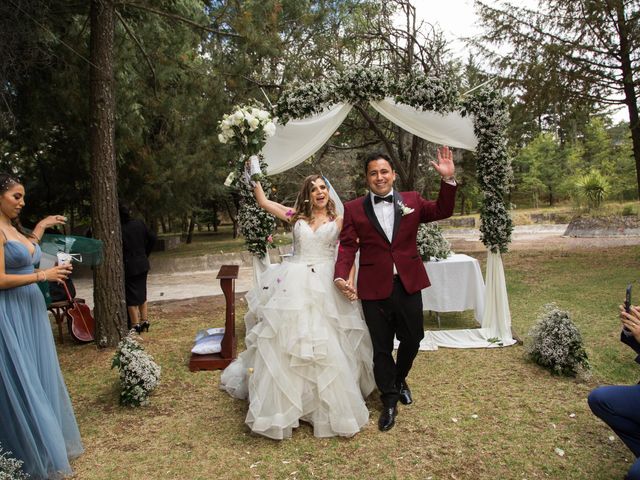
x=404, y=209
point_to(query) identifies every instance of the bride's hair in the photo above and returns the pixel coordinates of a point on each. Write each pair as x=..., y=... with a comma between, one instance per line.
x=303, y=204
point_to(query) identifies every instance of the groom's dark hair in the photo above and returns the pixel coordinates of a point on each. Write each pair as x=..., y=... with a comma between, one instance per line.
x=376, y=156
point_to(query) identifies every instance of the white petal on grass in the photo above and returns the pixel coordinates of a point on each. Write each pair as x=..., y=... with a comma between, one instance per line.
x=454, y=420
x=474, y=416
x=611, y=438
x=559, y=452
x=572, y=415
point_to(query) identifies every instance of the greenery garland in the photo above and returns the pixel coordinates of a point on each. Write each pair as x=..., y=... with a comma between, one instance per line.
x=360, y=85
x=257, y=226
x=494, y=167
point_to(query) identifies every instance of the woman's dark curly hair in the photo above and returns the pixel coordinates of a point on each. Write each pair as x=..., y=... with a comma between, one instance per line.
x=6, y=182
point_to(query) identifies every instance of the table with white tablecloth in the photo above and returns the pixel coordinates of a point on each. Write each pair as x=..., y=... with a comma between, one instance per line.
x=456, y=285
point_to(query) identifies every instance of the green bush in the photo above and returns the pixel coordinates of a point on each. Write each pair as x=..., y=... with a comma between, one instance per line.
x=628, y=210
x=594, y=187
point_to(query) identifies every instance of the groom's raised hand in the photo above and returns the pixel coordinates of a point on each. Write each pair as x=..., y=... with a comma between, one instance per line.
x=445, y=166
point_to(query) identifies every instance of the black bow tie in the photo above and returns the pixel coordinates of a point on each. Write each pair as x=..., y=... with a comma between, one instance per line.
x=377, y=199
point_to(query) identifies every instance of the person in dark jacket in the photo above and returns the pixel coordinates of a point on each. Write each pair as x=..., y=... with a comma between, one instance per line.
x=619, y=405
x=137, y=243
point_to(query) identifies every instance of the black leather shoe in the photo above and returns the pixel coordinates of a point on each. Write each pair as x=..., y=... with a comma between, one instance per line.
x=387, y=418
x=405, y=393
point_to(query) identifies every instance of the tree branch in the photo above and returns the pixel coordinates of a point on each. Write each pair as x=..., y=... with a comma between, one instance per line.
x=180, y=18
x=141, y=48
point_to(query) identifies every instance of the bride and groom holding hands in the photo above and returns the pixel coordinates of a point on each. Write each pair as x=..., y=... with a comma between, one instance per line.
x=314, y=353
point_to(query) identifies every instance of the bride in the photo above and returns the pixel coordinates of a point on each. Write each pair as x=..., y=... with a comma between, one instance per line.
x=309, y=354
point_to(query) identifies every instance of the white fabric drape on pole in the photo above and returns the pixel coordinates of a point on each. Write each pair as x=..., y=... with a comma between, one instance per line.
x=497, y=318
x=450, y=129
x=496, y=321
x=296, y=141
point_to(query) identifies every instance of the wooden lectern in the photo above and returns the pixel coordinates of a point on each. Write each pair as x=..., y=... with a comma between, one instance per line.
x=218, y=361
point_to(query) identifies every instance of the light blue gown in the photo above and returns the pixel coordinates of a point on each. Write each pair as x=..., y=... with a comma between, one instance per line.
x=37, y=422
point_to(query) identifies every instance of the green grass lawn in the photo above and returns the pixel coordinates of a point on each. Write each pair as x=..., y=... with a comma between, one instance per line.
x=478, y=414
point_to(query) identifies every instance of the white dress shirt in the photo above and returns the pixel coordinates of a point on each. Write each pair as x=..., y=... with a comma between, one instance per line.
x=385, y=213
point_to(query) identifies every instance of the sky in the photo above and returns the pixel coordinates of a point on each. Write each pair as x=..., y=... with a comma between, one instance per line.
x=457, y=19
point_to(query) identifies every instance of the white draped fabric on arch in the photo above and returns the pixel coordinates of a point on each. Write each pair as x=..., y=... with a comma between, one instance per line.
x=299, y=139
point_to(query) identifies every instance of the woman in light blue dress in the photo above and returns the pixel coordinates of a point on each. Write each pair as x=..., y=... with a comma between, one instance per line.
x=37, y=423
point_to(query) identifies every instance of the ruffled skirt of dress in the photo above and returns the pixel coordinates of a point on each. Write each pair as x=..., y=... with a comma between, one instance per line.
x=37, y=423
x=308, y=355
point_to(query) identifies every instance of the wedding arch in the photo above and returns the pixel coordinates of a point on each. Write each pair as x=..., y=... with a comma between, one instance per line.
x=431, y=108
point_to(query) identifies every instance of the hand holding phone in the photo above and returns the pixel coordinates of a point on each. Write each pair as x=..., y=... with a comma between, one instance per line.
x=627, y=307
x=627, y=301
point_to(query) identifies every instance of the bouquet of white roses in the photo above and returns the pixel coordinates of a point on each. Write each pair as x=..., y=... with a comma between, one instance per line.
x=248, y=128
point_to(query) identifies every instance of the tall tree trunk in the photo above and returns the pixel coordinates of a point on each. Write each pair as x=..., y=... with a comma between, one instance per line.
x=108, y=277
x=192, y=222
x=232, y=211
x=215, y=217
x=630, y=97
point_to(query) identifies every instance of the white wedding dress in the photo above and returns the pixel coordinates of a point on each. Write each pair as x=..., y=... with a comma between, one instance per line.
x=309, y=354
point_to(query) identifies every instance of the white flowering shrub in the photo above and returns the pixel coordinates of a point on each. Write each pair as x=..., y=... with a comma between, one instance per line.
x=10, y=468
x=431, y=242
x=139, y=374
x=555, y=343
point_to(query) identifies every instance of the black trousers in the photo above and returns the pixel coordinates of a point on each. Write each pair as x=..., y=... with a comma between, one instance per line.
x=400, y=315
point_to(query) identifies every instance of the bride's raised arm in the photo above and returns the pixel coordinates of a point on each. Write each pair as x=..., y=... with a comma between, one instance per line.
x=274, y=208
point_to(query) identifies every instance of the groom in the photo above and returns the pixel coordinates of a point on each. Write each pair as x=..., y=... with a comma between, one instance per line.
x=383, y=225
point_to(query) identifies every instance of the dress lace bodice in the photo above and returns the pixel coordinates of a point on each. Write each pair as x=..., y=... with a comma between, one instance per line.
x=315, y=246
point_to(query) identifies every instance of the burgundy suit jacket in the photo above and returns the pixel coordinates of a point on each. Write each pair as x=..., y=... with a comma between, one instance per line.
x=361, y=230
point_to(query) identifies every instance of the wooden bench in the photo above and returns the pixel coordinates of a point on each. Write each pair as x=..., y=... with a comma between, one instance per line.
x=60, y=312
x=218, y=361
